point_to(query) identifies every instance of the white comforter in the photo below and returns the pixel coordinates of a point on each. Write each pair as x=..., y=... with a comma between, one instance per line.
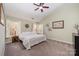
x=29, y=39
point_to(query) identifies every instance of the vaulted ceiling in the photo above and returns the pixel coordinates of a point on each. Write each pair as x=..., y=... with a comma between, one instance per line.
x=26, y=10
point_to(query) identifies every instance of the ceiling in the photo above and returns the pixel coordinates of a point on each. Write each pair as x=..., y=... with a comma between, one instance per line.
x=25, y=11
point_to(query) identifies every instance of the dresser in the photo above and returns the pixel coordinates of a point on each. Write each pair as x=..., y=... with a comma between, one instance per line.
x=76, y=45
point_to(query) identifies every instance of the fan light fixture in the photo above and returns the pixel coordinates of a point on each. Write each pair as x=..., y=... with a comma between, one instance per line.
x=40, y=6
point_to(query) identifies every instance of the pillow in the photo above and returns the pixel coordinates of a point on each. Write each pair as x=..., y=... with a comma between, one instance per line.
x=28, y=33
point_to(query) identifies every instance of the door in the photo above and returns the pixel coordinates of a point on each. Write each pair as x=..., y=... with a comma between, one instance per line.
x=2, y=32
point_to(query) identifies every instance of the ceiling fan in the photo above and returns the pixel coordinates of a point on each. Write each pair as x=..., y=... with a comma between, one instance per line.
x=40, y=6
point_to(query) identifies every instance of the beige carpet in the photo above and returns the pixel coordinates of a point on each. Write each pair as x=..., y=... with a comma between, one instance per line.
x=47, y=48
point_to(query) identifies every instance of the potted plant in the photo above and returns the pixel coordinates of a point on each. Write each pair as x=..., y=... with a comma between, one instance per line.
x=77, y=28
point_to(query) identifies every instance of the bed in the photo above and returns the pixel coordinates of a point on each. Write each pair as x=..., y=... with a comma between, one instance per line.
x=30, y=38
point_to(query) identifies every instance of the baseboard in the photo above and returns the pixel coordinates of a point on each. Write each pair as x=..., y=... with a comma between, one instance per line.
x=8, y=42
x=63, y=42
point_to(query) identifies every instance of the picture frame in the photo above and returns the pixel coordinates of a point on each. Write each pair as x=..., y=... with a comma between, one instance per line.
x=58, y=24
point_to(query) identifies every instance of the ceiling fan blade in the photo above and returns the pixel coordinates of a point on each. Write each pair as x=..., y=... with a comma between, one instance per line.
x=36, y=9
x=41, y=10
x=36, y=4
x=41, y=4
x=45, y=6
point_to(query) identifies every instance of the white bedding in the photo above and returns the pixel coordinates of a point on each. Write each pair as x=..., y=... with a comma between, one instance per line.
x=30, y=38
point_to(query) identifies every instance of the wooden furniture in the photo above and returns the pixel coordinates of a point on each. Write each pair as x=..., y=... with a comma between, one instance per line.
x=15, y=39
x=77, y=45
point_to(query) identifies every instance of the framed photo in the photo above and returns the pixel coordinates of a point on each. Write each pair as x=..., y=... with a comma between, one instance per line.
x=58, y=24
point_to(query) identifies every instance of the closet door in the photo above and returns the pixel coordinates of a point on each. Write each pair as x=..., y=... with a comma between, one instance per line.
x=2, y=32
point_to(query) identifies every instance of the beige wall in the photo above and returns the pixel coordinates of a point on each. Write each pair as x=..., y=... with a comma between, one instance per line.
x=70, y=14
x=23, y=28
x=20, y=25
x=38, y=28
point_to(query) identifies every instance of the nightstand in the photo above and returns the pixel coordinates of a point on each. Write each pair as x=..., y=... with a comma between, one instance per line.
x=15, y=39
